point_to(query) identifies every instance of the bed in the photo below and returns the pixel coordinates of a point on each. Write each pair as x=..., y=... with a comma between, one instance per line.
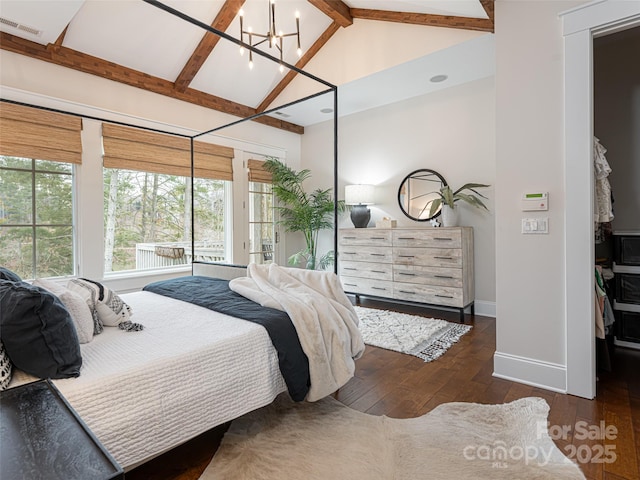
x=190, y=369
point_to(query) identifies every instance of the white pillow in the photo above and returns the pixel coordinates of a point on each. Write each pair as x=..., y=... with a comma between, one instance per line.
x=75, y=304
x=111, y=310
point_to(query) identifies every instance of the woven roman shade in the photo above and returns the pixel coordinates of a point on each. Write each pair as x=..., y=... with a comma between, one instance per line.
x=257, y=172
x=135, y=149
x=34, y=133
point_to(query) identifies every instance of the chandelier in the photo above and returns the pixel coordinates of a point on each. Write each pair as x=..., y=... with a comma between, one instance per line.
x=273, y=36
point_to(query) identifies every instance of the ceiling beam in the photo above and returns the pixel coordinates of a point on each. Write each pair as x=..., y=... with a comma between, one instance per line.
x=489, y=9
x=222, y=21
x=337, y=10
x=82, y=62
x=309, y=54
x=55, y=46
x=466, y=23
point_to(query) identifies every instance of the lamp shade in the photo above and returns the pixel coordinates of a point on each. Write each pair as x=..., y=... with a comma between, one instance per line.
x=359, y=194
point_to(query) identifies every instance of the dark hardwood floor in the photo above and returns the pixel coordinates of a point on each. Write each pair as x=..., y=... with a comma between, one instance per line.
x=402, y=386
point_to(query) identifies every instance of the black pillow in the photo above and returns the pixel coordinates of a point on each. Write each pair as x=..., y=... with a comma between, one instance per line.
x=6, y=274
x=38, y=332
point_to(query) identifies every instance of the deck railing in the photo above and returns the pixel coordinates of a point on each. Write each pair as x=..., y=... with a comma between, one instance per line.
x=166, y=254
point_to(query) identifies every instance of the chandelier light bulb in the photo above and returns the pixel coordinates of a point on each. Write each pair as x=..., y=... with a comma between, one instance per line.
x=250, y=30
x=241, y=51
x=241, y=13
x=299, y=52
x=281, y=68
x=250, y=64
x=297, y=14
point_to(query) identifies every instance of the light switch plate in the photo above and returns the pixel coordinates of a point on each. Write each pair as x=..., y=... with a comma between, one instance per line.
x=535, y=225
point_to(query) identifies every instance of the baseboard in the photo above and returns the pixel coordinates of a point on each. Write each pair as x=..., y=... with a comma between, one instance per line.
x=484, y=308
x=536, y=373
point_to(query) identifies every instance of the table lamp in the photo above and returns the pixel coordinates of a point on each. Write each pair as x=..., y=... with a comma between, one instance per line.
x=359, y=196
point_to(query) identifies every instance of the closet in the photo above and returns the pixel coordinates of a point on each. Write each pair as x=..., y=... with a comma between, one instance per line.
x=617, y=238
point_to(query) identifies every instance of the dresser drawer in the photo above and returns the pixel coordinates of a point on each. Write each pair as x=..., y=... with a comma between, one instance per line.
x=451, y=297
x=433, y=257
x=365, y=236
x=378, y=271
x=436, y=238
x=445, y=277
x=628, y=326
x=367, y=286
x=628, y=288
x=365, y=254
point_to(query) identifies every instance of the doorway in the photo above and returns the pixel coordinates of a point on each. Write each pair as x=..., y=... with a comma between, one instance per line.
x=580, y=26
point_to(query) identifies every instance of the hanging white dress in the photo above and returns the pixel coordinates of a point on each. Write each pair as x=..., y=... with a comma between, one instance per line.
x=603, y=208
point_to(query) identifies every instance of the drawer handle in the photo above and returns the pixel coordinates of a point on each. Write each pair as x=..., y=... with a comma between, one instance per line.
x=404, y=291
x=440, y=276
x=443, y=296
x=349, y=268
x=378, y=271
x=407, y=274
x=444, y=258
x=442, y=238
x=349, y=238
x=351, y=285
x=377, y=254
x=377, y=288
x=378, y=238
x=406, y=238
x=348, y=253
x=407, y=256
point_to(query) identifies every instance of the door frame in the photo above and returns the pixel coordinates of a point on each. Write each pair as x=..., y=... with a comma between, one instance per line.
x=580, y=26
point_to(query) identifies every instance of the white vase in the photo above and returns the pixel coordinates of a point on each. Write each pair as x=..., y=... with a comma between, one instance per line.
x=449, y=216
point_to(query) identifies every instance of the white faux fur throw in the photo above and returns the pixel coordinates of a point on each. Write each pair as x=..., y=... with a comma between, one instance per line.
x=323, y=316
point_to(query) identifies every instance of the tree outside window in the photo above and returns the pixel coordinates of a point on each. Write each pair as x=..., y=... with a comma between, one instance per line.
x=148, y=220
x=36, y=217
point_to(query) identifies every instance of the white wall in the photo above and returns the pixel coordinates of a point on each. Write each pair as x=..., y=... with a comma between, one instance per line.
x=451, y=131
x=530, y=273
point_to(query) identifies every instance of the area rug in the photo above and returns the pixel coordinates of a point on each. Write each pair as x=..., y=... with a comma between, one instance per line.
x=326, y=440
x=426, y=338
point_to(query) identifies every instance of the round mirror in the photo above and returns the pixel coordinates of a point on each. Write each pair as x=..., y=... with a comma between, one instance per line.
x=417, y=191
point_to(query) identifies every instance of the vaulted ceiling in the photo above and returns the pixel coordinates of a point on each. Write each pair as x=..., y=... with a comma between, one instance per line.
x=139, y=44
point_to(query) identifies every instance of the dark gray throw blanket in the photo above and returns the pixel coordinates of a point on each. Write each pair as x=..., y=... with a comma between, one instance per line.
x=214, y=294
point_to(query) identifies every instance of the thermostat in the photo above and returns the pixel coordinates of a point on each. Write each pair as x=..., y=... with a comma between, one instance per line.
x=535, y=202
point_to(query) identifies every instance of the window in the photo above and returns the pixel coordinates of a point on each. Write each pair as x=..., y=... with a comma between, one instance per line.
x=262, y=235
x=148, y=220
x=262, y=232
x=36, y=217
x=147, y=190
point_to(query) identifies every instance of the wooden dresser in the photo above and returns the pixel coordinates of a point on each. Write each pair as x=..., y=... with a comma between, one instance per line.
x=426, y=265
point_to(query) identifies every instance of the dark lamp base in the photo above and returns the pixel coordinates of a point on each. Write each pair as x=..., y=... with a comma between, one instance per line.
x=360, y=216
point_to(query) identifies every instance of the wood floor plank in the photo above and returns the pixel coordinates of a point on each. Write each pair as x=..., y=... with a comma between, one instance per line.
x=402, y=386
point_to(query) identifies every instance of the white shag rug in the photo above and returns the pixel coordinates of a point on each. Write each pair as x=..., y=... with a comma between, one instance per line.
x=326, y=440
x=426, y=338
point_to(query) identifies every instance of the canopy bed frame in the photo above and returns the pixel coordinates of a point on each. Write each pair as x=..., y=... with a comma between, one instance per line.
x=141, y=403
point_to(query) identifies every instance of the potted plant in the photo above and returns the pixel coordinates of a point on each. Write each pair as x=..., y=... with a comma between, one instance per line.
x=448, y=199
x=302, y=212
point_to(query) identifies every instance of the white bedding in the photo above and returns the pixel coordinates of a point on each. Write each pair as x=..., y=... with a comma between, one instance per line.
x=190, y=369
x=326, y=323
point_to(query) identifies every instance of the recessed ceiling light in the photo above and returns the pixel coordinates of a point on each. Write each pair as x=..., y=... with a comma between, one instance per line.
x=438, y=78
x=327, y=110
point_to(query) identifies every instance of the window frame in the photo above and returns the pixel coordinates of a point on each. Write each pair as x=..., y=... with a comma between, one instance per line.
x=34, y=225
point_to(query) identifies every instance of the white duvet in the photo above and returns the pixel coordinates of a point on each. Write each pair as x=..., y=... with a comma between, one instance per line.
x=190, y=369
x=325, y=320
